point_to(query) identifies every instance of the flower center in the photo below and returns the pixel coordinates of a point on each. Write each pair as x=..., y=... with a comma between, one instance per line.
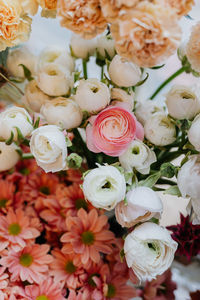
x=152, y=246
x=136, y=150
x=87, y=238
x=3, y=203
x=14, y=229
x=25, y=171
x=42, y=297
x=70, y=267
x=111, y=291
x=107, y=185
x=91, y=282
x=26, y=260
x=45, y=190
x=81, y=203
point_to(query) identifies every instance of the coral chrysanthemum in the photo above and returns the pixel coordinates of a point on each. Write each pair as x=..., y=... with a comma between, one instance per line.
x=7, y=190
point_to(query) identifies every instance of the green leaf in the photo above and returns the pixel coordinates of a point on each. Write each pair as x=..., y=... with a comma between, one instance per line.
x=151, y=180
x=27, y=72
x=10, y=140
x=36, y=124
x=185, y=159
x=158, y=67
x=3, y=57
x=142, y=81
x=154, y=220
x=125, y=201
x=68, y=141
x=173, y=190
x=20, y=135
x=168, y=170
x=122, y=255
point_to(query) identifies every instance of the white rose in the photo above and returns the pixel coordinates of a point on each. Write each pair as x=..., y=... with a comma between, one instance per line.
x=194, y=133
x=142, y=205
x=149, y=250
x=123, y=72
x=159, y=130
x=8, y=156
x=92, y=95
x=53, y=81
x=188, y=178
x=34, y=97
x=182, y=102
x=13, y=117
x=106, y=44
x=62, y=112
x=120, y=95
x=82, y=48
x=104, y=187
x=145, y=109
x=138, y=156
x=30, y=6
x=48, y=146
x=20, y=56
x=58, y=56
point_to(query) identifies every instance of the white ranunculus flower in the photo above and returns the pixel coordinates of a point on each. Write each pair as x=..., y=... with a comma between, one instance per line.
x=34, y=97
x=104, y=187
x=8, y=156
x=92, y=95
x=194, y=133
x=123, y=72
x=20, y=56
x=58, y=56
x=189, y=178
x=82, y=48
x=106, y=44
x=48, y=146
x=53, y=81
x=149, y=250
x=145, y=110
x=182, y=102
x=142, y=205
x=138, y=156
x=159, y=130
x=13, y=117
x=120, y=95
x=63, y=112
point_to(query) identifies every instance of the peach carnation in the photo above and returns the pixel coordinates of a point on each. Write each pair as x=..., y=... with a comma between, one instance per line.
x=83, y=17
x=48, y=4
x=193, y=48
x=15, y=27
x=182, y=7
x=147, y=35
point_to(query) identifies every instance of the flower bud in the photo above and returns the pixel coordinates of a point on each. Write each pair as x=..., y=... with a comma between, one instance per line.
x=145, y=109
x=14, y=117
x=106, y=44
x=123, y=72
x=53, y=81
x=92, y=95
x=104, y=187
x=74, y=161
x=62, y=112
x=159, y=130
x=138, y=156
x=194, y=133
x=82, y=48
x=8, y=156
x=120, y=95
x=182, y=102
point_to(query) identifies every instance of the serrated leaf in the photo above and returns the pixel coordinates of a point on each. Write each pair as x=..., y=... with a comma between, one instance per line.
x=27, y=72
x=173, y=190
x=151, y=180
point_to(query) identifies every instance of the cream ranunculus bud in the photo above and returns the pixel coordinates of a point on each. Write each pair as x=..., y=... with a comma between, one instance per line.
x=20, y=56
x=53, y=81
x=13, y=117
x=82, y=48
x=106, y=44
x=145, y=109
x=120, y=95
x=8, y=156
x=48, y=146
x=189, y=177
x=142, y=205
x=123, y=72
x=194, y=133
x=104, y=187
x=58, y=56
x=62, y=112
x=149, y=250
x=138, y=156
x=34, y=97
x=159, y=130
x=92, y=95
x=182, y=102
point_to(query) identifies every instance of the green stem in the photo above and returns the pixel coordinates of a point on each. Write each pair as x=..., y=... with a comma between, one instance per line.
x=102, y=72
x=168, y=80
x=84, y=64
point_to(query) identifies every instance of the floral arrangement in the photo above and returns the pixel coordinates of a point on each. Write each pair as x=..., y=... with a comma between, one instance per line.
x=82, y=161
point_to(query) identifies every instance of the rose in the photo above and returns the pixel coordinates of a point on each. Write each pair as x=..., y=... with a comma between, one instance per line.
x=145, y=109
x=106, y=45
x=138, y=156
x=104, y=187
x=194, y=133
x=123, y=72
x=62, y=112
x=82, y=48
x=8, y=156
x=149, y=250
x=112, y=130
x=182, y=102
x=142, y=204
x=48, y=146
x=92, y=95
x=14, y=117
x=120, y=95
x=159, y=130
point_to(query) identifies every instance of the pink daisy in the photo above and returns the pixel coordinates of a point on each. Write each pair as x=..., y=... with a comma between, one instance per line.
x=3, y=282
x=29, y=264
x=16, y=228
x=7, y=190
x=87, y=235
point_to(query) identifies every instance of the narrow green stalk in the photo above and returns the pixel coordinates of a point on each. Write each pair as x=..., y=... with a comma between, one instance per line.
x=102, y=72
x=84, y=64
x=11, y=83
x=168, y=80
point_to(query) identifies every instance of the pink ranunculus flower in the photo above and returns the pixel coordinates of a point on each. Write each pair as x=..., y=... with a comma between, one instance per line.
x=113, y=129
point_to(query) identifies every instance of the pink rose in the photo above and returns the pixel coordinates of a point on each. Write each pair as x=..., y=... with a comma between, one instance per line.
x=112, y=130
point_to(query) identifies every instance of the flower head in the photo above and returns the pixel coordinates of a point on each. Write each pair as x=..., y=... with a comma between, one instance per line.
x=7, y=190
x=192, y=48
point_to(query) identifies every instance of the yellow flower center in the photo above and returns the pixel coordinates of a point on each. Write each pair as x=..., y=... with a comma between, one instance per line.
x=3, y=203
x=26, y=260
x=87, y=238
x=81, y=203
x=111, y=291
x=42, y=297
x=14, y=229
x=70, y=267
